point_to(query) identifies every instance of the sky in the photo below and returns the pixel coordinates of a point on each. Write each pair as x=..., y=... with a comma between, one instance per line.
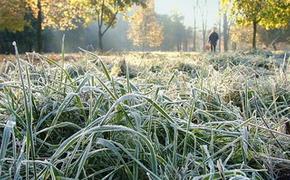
x=185, y=8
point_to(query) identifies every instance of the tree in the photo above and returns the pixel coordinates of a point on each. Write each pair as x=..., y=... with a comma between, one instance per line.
x=226, y=32
x=39, y=26
x=267, y=13
x=226, y=23
x=145, y=31
x=195, y=14
x=178, y=30
x=220, y=32
x=175, y=35
x=12, y=13
x=188, y=36
x=60, y=14
x=204, y=24
x=240, y=37
x=15, y=15
x=104, y=12
x=37, y=12
x=174, y=31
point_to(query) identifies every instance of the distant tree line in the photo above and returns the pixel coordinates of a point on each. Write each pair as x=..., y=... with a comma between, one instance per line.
x=16, y=15
x=164, y=32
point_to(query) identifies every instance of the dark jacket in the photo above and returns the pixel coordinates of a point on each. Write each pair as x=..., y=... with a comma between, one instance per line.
x=213, y=38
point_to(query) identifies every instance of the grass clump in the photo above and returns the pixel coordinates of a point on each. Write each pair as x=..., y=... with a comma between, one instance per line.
x=120, y=69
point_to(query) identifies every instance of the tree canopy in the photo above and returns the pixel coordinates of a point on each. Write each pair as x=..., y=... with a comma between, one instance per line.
x=59, y=14
x=12, y=15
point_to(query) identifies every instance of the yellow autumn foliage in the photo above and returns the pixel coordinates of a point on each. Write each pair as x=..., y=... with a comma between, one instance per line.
x=12, y=14
x=271, y=14
x=60, y=14
x=145, y=31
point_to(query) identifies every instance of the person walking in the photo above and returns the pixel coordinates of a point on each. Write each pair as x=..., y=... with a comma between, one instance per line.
x=212, y=39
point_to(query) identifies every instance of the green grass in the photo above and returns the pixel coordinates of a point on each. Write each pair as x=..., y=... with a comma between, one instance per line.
x=152, y=116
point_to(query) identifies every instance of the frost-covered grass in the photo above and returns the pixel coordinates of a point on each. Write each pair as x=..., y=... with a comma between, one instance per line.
x=145, y=116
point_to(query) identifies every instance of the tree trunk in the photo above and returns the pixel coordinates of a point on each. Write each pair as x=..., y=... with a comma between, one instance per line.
x=204, y=26
x=226, y=33
x=178, y=46
x=194, y=25
x=39, y=27
x=101, y=48
x=220, y=32
x=185, y=45
x=194, y=39
x=254, y=43
x=204, y=39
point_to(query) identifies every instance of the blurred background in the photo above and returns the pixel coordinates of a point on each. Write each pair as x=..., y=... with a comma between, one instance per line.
x=155, y=25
